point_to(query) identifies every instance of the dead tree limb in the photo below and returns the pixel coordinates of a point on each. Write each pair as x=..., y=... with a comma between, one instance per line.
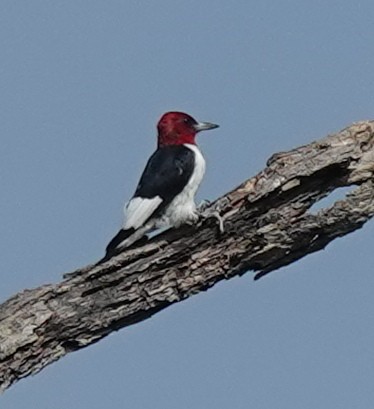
x=268, y=224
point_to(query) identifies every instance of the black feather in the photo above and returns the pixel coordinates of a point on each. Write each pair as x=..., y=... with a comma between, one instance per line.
x=166, y=174
x=116, y=240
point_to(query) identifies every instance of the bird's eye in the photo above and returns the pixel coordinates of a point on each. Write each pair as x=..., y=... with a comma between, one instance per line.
x=186, y=120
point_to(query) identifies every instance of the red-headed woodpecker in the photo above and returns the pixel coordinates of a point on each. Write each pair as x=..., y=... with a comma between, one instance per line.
x=166, y=190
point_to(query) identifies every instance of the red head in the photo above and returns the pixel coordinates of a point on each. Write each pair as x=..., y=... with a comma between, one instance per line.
x=177, y=128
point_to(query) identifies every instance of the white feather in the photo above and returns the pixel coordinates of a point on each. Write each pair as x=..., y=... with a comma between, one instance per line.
x=138, y=210
x=183, y=208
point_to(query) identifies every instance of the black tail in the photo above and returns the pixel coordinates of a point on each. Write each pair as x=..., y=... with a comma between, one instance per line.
x=114, y=247
x=117, y=240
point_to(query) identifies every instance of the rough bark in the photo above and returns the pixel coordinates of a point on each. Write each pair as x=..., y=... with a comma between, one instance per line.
x=268, y=224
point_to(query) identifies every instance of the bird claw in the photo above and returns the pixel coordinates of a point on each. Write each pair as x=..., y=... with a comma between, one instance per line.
x=210, y=213
x=203, y=205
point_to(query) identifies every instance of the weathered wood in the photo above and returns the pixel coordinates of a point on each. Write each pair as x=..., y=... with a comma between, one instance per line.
x=268, y=224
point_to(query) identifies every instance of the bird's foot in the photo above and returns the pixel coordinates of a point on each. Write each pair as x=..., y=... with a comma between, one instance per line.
x=203, y=205
x=206, y=211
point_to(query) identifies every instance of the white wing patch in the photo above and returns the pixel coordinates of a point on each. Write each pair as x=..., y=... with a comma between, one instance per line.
x=138, y=210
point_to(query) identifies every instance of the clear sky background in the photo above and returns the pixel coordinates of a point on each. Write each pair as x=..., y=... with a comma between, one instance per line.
x=83, y=84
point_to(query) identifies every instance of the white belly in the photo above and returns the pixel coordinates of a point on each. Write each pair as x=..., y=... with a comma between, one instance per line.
x=183, y=208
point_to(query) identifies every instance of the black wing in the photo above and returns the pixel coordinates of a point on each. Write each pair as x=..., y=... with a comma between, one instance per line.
x=166, y=174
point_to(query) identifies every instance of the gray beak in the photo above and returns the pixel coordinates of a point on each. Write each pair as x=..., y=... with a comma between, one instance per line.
x=204, y=126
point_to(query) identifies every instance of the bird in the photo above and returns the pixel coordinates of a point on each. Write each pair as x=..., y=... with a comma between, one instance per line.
x=165, y=194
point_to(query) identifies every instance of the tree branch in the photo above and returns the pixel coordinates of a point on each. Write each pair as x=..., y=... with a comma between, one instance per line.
x=268, y=224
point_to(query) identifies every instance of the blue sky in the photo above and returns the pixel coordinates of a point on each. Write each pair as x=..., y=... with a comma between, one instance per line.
x=83, y=84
